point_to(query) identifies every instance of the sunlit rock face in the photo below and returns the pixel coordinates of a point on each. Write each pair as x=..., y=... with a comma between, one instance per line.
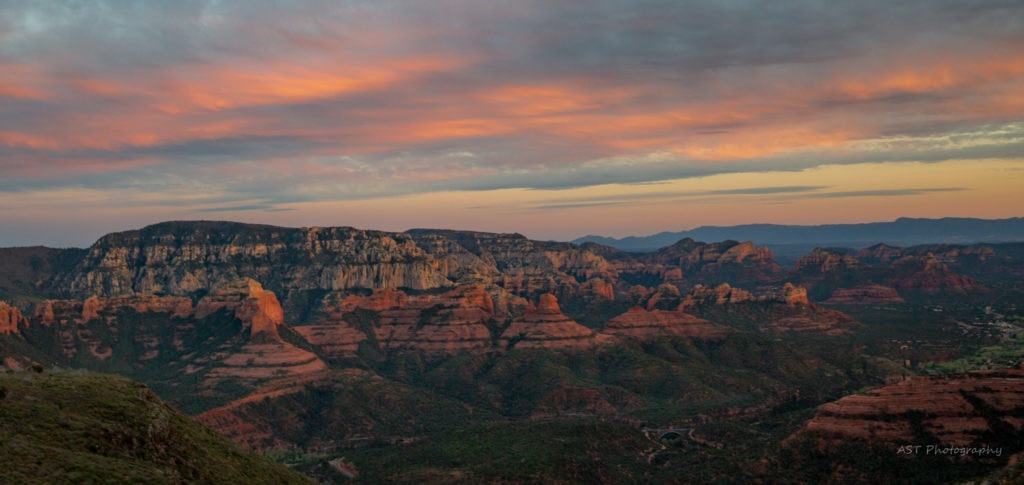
x=193, y=258
x=10, y=319
x=181, y=258
x=258, y=309
x=783, y=309
x=639, y=323
x=165, y=324
x=546, y=327
x=445, y=323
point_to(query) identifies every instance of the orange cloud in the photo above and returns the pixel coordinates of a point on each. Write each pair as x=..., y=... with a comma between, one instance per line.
x=20, y=81
x=227, y=87
x=929, y=77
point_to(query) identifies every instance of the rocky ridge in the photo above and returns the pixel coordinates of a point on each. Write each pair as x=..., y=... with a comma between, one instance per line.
x=546, y=327
x=865, y=295
x=977, y=408
x=643, y=324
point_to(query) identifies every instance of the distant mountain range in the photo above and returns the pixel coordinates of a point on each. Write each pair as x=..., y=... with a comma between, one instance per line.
x=901, y=232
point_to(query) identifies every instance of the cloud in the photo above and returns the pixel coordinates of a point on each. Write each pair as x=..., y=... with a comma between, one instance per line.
x=882, y=193
x=238, y=208
x=311, y=101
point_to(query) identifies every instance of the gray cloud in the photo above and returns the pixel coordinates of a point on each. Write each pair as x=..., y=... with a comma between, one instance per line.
x=239, y=208
x=881, y=193
x=659, y=54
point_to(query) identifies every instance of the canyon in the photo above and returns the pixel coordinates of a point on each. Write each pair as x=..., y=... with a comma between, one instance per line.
x=405, y=333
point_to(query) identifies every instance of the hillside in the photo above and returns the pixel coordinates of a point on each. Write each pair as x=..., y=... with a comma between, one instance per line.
x=75, y=427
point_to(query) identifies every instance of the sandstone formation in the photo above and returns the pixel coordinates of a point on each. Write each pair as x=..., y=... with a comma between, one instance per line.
x=665, y=297
x=69, y=319
x=192, y=258
x=258, y=309
x=723, y=294
x=258, y=353
x=10, y=319
x=826, y=261
x=337, y=339
x=73, y=311
x=785, y=309
x=181, y=258
x=714, y=262
x=958, y=410
x=546, y=327
x=718, y=295
x=642, y=324
x=865, y=295
x=259, y=361
x=264, y=355
x=596, y=288
x=945, y=253
x=453, y=322
x=925, y=274
x=447, y=323
x=881, y=254
x=791, y=295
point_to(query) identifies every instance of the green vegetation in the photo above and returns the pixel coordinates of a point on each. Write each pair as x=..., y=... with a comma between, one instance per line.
x=993, y=357
x=74, y=427
x=544, y=451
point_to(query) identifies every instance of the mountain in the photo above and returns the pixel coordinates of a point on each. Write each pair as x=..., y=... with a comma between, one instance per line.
x=901, y=232
x=397, y=349
x=76, y=427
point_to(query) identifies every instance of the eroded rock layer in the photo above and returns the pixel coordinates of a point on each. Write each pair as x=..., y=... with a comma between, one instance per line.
x=546, y=327
x=865, y=295
x=642, y=324
x=957, y=410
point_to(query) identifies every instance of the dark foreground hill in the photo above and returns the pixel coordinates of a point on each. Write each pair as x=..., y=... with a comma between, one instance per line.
x=74, y=427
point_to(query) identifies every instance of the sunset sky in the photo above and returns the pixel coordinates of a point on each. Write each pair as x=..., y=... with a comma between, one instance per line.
x=555, y=119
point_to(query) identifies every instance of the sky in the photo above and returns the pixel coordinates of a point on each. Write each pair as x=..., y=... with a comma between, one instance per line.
x=550, y=118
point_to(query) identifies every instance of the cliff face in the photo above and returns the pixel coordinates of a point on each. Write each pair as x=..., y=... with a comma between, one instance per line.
x=445, y=323
x=231, y=333
x=10, y=319
x=957, y=410
x=185, y=258
x=642, y=324
x=512, y=262
x=822, y=271
x=825, y=261
x=191, y=258
x=257, y=309
x=926, y=274
x=739, y=263
x=785, y=309
x=546, y=327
